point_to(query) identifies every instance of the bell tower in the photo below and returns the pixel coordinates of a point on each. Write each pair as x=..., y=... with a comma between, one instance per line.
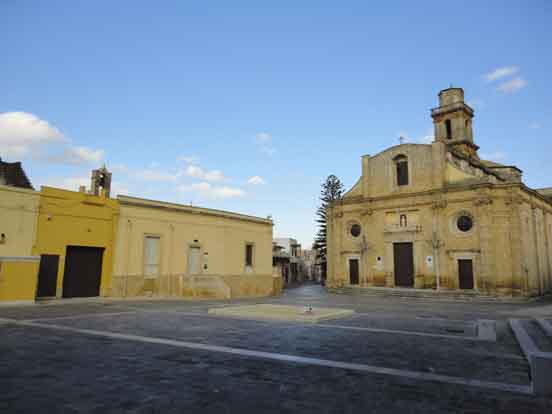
x=452, y=121
x=101, y=182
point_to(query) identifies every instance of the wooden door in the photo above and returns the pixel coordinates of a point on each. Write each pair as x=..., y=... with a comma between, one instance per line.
x=47, y=276
x=465, y=273
x=403, y=258
x=353, y=271
x=83, y=272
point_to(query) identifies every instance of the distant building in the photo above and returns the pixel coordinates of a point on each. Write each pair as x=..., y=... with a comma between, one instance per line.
x=280, y=263
x=292, y=248
x=312, y=268
x=13, y=175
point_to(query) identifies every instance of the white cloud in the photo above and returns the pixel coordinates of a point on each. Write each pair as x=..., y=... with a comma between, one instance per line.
x=23, y=134
x=189, y=159
x=77, y=156
x=264, y=141
x=426, y=139
x=207, y=190
x=152, y=175
x=513, y=85
x=256, y=180
x=535, y=125
x=494, y=156
x=199, y=173
x=502, y=72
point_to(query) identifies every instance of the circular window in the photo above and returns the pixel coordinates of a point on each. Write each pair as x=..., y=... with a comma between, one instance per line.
x=464, y=223
x=356, y=230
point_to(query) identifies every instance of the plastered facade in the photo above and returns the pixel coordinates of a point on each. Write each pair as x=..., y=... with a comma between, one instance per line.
x=219, y=238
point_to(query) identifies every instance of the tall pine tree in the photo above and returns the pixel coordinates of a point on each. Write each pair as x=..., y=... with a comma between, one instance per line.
x=332, y=189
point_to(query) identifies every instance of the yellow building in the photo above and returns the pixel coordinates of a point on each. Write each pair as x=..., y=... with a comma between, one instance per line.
x=76, y=232
x=437, y=216
x=18, y=221
x=170, y=249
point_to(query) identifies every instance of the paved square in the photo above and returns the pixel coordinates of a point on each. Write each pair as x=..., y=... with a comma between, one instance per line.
x=390, y=355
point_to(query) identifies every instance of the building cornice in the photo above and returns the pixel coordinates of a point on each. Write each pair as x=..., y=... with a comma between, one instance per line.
x=181, y=208
x=433, y=192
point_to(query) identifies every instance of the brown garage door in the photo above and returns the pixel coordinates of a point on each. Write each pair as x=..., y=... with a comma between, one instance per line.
x=83, y=271
x=404, y=264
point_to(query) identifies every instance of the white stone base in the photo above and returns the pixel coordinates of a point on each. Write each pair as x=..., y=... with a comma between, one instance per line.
x=281, y=313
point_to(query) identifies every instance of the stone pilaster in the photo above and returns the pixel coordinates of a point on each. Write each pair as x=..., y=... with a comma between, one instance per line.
x=513, y=202
x=483, y=211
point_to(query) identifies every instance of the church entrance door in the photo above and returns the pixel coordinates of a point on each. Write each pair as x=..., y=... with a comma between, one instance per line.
x=404, y=264
x=465, y=273
x=353, y=271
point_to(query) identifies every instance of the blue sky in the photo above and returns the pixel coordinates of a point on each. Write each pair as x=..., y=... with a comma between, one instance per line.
x=248, y=106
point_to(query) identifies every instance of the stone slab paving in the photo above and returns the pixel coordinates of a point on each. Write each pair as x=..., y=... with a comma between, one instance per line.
x=433, y=355
x=55, y=370
x=43, y=371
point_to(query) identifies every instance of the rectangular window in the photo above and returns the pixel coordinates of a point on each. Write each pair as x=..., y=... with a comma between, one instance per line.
x=152, y=255
x=402, y=173
x=249, y=255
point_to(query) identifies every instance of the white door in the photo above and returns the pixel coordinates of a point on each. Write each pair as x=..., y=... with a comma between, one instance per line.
x=194, y=265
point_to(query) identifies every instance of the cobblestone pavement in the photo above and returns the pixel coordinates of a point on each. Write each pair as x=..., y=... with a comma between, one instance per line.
x=146, y=356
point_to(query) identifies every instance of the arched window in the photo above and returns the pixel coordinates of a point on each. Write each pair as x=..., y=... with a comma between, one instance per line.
x=448, y=126
x=401, y=165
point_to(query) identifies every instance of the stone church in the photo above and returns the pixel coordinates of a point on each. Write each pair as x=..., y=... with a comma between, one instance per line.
x=436, y=216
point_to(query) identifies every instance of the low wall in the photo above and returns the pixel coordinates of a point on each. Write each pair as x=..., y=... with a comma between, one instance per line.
x=197, y=286
x=18, y=279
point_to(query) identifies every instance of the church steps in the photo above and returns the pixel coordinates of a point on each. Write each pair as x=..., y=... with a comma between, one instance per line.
x=425, y=294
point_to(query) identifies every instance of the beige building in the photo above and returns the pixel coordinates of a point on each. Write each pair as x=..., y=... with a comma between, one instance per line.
x=167, y=249
x=18, y=219
x=437, y=216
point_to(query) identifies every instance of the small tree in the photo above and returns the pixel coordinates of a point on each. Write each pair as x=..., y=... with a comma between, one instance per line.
x=332, y=189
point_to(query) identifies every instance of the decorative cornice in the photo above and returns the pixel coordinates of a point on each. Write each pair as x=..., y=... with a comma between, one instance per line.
x=483, y=201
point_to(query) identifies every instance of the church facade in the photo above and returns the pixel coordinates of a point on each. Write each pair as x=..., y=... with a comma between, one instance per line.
x=436, y=216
